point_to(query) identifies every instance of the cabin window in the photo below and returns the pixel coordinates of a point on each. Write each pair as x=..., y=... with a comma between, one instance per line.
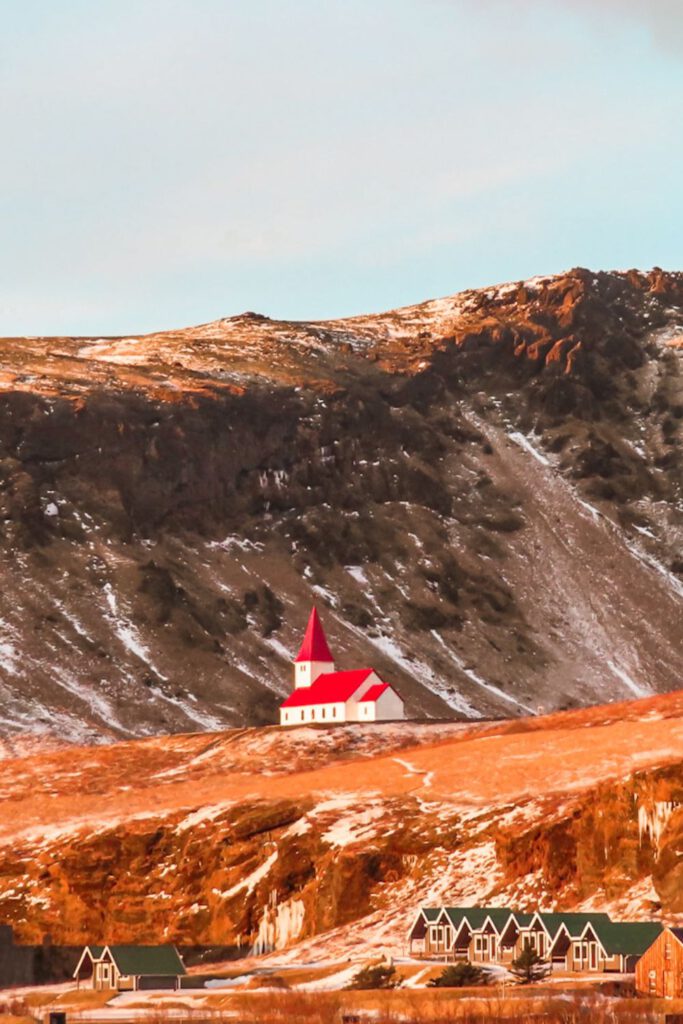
x=667, y=949
x=652, y=983
x=323, y=712
x=477, y=944
x=302, y=715
x=334, y=712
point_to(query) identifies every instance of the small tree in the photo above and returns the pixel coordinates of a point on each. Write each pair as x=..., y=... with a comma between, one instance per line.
x=529, y=966
x=379, y=976
x=459, y=976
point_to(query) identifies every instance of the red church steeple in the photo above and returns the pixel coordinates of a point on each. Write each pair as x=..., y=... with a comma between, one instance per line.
x=314, y=646
x=314, y=657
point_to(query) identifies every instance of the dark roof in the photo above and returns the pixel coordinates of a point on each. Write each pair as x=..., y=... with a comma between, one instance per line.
x=574, y=923
x=431, y=913
x=477, y=915
x=150, y=960
x=96, y=951
x=627, y=937
x=519, y=918
x=678, y=933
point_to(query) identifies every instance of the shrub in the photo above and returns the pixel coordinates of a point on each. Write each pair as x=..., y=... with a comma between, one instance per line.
x=529, y=966
x=459, y=976
x=379, y=976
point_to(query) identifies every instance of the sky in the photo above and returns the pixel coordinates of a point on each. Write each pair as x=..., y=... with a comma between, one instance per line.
x=169, y=162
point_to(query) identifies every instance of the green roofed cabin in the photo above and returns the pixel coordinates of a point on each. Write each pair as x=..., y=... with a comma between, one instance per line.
x=462, y=933
x=130, y=968
x=417, y=933
x=600, y=945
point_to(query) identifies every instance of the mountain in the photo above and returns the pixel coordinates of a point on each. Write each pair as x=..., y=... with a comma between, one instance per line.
x=481, y=493
x=325, y=841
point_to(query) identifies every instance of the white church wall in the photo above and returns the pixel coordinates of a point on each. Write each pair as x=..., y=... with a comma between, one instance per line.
x=353, y=711
x=389, y=707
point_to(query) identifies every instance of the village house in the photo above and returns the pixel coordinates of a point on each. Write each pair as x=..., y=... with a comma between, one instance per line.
x=321, y=694
x=560, y=938
x=517, y=932
x=460, y=933
x=572, y=942
x=130, y=968
x=417, y=933
x=601, y=945
x=659, y=971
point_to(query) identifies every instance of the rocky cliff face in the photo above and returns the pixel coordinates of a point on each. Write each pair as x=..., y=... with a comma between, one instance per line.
x=482, y=494
x=318, y=840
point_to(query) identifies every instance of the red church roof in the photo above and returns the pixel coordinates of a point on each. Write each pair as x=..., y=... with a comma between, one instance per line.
x=314, y=647
x=329, y=688
x=374, y=692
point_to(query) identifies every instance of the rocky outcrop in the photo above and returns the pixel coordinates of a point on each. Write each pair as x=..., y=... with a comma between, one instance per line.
x=317, y=839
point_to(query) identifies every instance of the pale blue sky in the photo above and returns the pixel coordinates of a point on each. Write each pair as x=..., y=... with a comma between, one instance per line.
x=167, y=163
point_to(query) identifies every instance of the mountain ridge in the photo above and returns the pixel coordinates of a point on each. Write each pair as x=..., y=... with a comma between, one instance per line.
x=173, y=504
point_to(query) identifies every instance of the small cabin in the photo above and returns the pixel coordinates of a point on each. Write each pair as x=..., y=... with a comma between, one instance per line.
x=130, y=968
x=417, y=933
x=659, y=971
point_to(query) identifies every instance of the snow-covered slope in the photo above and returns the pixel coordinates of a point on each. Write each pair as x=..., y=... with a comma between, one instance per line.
x=482, y=493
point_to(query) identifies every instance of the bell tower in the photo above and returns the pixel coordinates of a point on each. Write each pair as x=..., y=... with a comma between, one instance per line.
x=314, y=657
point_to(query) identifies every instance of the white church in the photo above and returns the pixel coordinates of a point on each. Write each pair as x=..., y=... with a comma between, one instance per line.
x=321, y=694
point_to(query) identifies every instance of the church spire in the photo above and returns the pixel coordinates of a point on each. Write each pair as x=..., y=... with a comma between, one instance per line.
x=314, y=646
x=314, y=655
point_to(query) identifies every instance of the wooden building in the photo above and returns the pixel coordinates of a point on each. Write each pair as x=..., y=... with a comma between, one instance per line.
x=659, y=971
x=130, y=968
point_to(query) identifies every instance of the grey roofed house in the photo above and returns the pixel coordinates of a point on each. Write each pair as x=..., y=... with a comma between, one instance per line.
x=129, y=967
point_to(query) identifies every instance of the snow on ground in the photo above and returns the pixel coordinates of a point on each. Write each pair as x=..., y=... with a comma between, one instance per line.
x=526, y=444
x=9, y=656
x=426, y=675
x=332, y=981
x=639, y=903
x=204, y=814
x=477, y=679
x=126, y=631
x=249, y=883
x=354, y=828
x=635, y=688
